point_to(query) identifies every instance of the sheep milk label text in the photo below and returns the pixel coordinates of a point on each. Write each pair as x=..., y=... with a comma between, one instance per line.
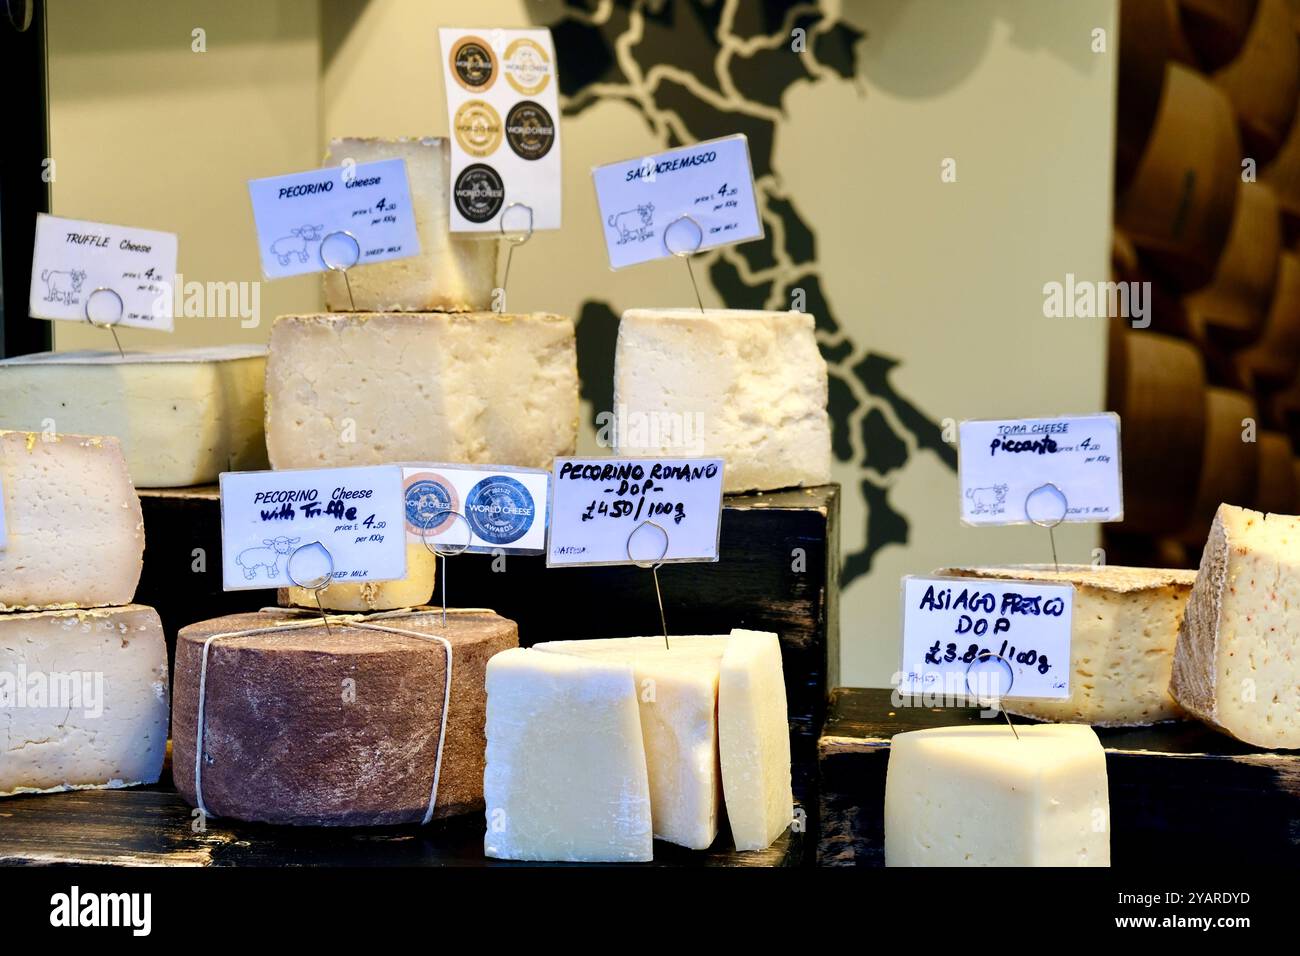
x=312, y=523
x=304, y=219
x=112, y=275
x=654, y=206
x=1041, y=470
x=982, y=638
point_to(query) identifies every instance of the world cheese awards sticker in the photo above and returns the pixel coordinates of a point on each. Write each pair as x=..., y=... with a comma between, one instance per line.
x=530, y=130
x=431, y=503
x=527, y=67
x=473, y=64
x=478, y=128
x=499, y=509
x=479, y=192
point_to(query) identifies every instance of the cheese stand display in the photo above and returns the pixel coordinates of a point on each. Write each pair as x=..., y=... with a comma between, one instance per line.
x=182, y=416
x=83, y=683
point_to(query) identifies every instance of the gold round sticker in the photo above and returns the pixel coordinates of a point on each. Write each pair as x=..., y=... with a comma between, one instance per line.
x=478, y=128
x=527, y=67
x=473, y=63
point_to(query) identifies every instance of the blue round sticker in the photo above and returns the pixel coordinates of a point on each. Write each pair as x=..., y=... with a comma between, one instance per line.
x=499, y=510
x=429, y=503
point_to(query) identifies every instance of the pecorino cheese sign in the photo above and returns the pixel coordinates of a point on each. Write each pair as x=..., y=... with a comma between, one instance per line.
x=312, y=526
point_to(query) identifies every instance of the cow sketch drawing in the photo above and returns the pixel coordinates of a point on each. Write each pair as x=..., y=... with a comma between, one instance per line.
x=268, y=557
x=634, y=224
x=297, y=243
x=987, y=501
x=63, y=286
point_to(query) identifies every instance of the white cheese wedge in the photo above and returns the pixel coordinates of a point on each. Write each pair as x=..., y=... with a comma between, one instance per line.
x=566, y=766
x=677, y=691
x=754, y=740
x=373, y=388
x=182, y=416
x=1237, y=664
x=980, y=796
x=83, y=699
x=746, y=386
x=413, y=590
x=75, y=531
x=1124, y=628
x=449, y=274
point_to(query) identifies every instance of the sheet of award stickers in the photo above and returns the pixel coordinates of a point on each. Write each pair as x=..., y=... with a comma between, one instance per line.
x=503, y=107
x=285, y=527
x=634, y=511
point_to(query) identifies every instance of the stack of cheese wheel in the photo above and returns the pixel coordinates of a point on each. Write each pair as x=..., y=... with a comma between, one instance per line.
x=1149, y=36
x=1216, y=30
x=1272, y=362
x=1177, y=208
x=1230, y=465
x=1275, y=490
x=1157, y=385
x=1263, y=80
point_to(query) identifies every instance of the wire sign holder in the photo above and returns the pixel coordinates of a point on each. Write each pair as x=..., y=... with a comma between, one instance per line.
x=685, y=253
x=109, y=323
x=315, y=584
x=993, y=700
x=1048, y=491
x=512, y=239
x=654, y=569
x=444, y=552
x=344, y=263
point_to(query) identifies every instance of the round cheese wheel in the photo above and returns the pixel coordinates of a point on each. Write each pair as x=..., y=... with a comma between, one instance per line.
x=305, y=727
x=1276, y=491
x=1150, y=35
x=1263, y=79
x=1230, y=465
x=1216, y=30
x=411, y=591
x=1274, y=359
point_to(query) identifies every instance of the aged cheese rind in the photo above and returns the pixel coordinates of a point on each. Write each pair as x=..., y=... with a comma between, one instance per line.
x=411, y=591
x=76, y=534
x=449, y=274
x=980, y=796
x=305, y=727
x=1124, y=627
x=117, y=735
x=373, y=388
x=1236, y=665
x=182, y=416
x=746, y=386
x=566, y=765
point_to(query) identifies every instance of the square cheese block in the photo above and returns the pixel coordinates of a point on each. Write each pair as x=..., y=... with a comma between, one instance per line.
x=308, y=727
x=73, y=521
x=182, y=416
x=1124, y=628
x=449, y=274
x=83, y=699
x=566, y=767
x=746, y=386
x=411, y=591
x=1237, y=664
x=366, y=389
x=677, y=692
x=980, y=796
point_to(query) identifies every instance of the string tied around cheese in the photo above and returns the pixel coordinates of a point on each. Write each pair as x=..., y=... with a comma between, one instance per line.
x=1048, y=490
x=339, y=265
x=993, y=700
x=108, y=323
x=512, y=239
x=363, y=621
x=444, y=553
x=686, y=253
x=654, y=569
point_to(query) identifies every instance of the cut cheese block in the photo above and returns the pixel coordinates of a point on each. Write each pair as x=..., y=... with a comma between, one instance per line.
x=183, y=417
x=449, y=274
x=980, y=796
x=369, y=389
x=75, y=532
x=1236, y=665
x=1123, y=631
x=566, y=767
x=306, y=727
x=83, y=699
x=677, y=690
x=746, y=386
x=411, y=591
x=754, y=740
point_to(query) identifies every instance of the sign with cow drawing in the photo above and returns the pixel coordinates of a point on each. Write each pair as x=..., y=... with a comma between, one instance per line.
x=113, y=275
x=676, y=202
x=339, y=216
x=284, y=527
x=1040, y=470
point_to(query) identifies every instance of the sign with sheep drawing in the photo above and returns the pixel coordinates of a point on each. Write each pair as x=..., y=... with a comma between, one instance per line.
x=307, y=527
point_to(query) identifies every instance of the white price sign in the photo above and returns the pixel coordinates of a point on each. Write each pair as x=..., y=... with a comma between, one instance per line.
x=1041, y=470
x=284, y=527
x=112, y=275
x=683, y=200
x=634, y=511
x=503, y=508
x=987, y=639
x=335, y=217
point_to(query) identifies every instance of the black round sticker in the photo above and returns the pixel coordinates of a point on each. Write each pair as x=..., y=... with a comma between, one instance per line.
x=479, y=192
x=530, y=131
